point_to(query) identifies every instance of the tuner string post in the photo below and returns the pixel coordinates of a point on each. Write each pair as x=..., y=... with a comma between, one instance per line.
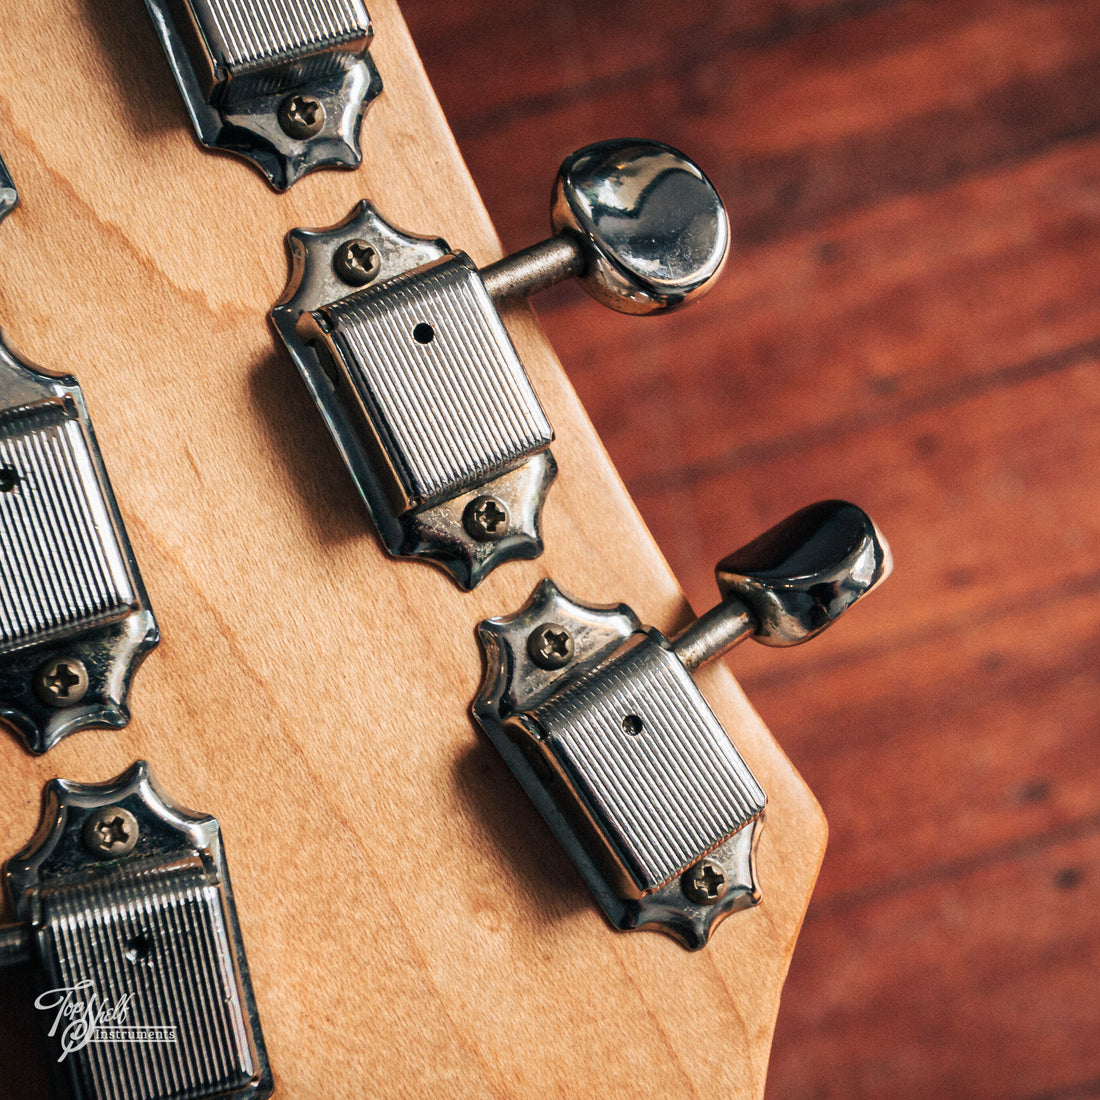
x=15, y=945
x=535, y=268
x=714, y=633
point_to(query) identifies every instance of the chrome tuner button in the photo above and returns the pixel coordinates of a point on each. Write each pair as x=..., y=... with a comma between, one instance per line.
x=637, y=222
x=282, y=85
x=616, y=745
x=790, y=583
x=404, y=352
x=652, y=228
x=124, y=909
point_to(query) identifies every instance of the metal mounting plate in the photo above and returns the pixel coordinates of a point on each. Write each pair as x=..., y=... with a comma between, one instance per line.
x=513, y=687
x=148, y=936
x=364, y=420
x=197, y=36
x=71, y=595
x=8, y=194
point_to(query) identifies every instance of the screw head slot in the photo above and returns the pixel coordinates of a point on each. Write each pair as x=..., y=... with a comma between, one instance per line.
x=356, y=262
x=486, y=519
x=705, y=883
x=62, y=682
x=110, y=832
x=301, y=116
x=550, y=646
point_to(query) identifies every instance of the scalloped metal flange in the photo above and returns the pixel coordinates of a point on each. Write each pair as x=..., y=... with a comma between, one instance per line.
x=512, y=683
x=436, y=532
x=251, y=129
x=152, y=926
x=73, y=588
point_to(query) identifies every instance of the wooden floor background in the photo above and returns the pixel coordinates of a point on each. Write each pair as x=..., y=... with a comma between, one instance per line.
x=910, y=319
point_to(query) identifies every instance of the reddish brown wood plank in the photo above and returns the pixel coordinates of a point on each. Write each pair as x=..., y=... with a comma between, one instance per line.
x=515, y=56
x=917, y=743
x=915, y=304
x=799, y=130
x=985, y=501
x=981, y=987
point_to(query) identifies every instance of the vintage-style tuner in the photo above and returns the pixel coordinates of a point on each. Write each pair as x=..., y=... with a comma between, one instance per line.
x=601, y=722
x=401, y=346
x=282, y=85
x=126, y=917
x=74, y=617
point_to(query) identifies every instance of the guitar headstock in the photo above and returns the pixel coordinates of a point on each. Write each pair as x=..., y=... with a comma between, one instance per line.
x=409, y=920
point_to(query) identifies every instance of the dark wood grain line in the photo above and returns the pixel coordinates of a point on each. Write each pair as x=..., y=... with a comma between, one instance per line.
x=776, y=188
x=1015, y=123
x=1083, y=1090
x=980, y=988
x=937, y=874
x=961, y=389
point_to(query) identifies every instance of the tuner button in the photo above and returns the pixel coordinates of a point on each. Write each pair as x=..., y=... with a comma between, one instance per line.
x=651, y=226
x=806, y=571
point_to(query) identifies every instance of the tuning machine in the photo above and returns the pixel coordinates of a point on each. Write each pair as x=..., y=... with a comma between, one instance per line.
x=74, y=618
x=402, y=349
x=126, y=915
x=601, y=722
x=283, y=85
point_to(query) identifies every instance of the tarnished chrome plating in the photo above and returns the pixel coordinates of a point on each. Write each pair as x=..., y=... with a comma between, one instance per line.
x=617, y=747
x=8, y=194
x=419, y=451
x=155, y=929
x=284, y=86
x=425, y=430
x=514, y=687
x=75, y=620
x=637, y=222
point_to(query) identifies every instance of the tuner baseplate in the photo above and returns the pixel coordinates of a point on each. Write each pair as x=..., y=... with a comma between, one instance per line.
x=422, y=391
x=282, y=85
x=601, y=776
x=75, y=620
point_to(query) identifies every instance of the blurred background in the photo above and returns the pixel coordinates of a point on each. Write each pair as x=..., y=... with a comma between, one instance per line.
x=910, y=319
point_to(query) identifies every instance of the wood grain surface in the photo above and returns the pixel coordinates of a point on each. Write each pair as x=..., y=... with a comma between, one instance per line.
x=911, y=319
x=412, y=929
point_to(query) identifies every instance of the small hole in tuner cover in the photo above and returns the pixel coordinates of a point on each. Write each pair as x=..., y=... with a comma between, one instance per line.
x=139, y=949
x=9, y=479
x=423, y=333
x=633, y=725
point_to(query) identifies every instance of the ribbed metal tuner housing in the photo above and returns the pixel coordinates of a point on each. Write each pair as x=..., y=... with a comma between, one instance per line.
x=74, y=617
x=282, y=84
x=646, y=761
x=602, y=724
x=253, y=46
x=436, y=380
x=143, y=988
x=63, y=569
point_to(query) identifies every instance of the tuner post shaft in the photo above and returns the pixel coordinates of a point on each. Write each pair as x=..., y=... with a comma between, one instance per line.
x=715, y=632
x=15, y=944
x=534, y=268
